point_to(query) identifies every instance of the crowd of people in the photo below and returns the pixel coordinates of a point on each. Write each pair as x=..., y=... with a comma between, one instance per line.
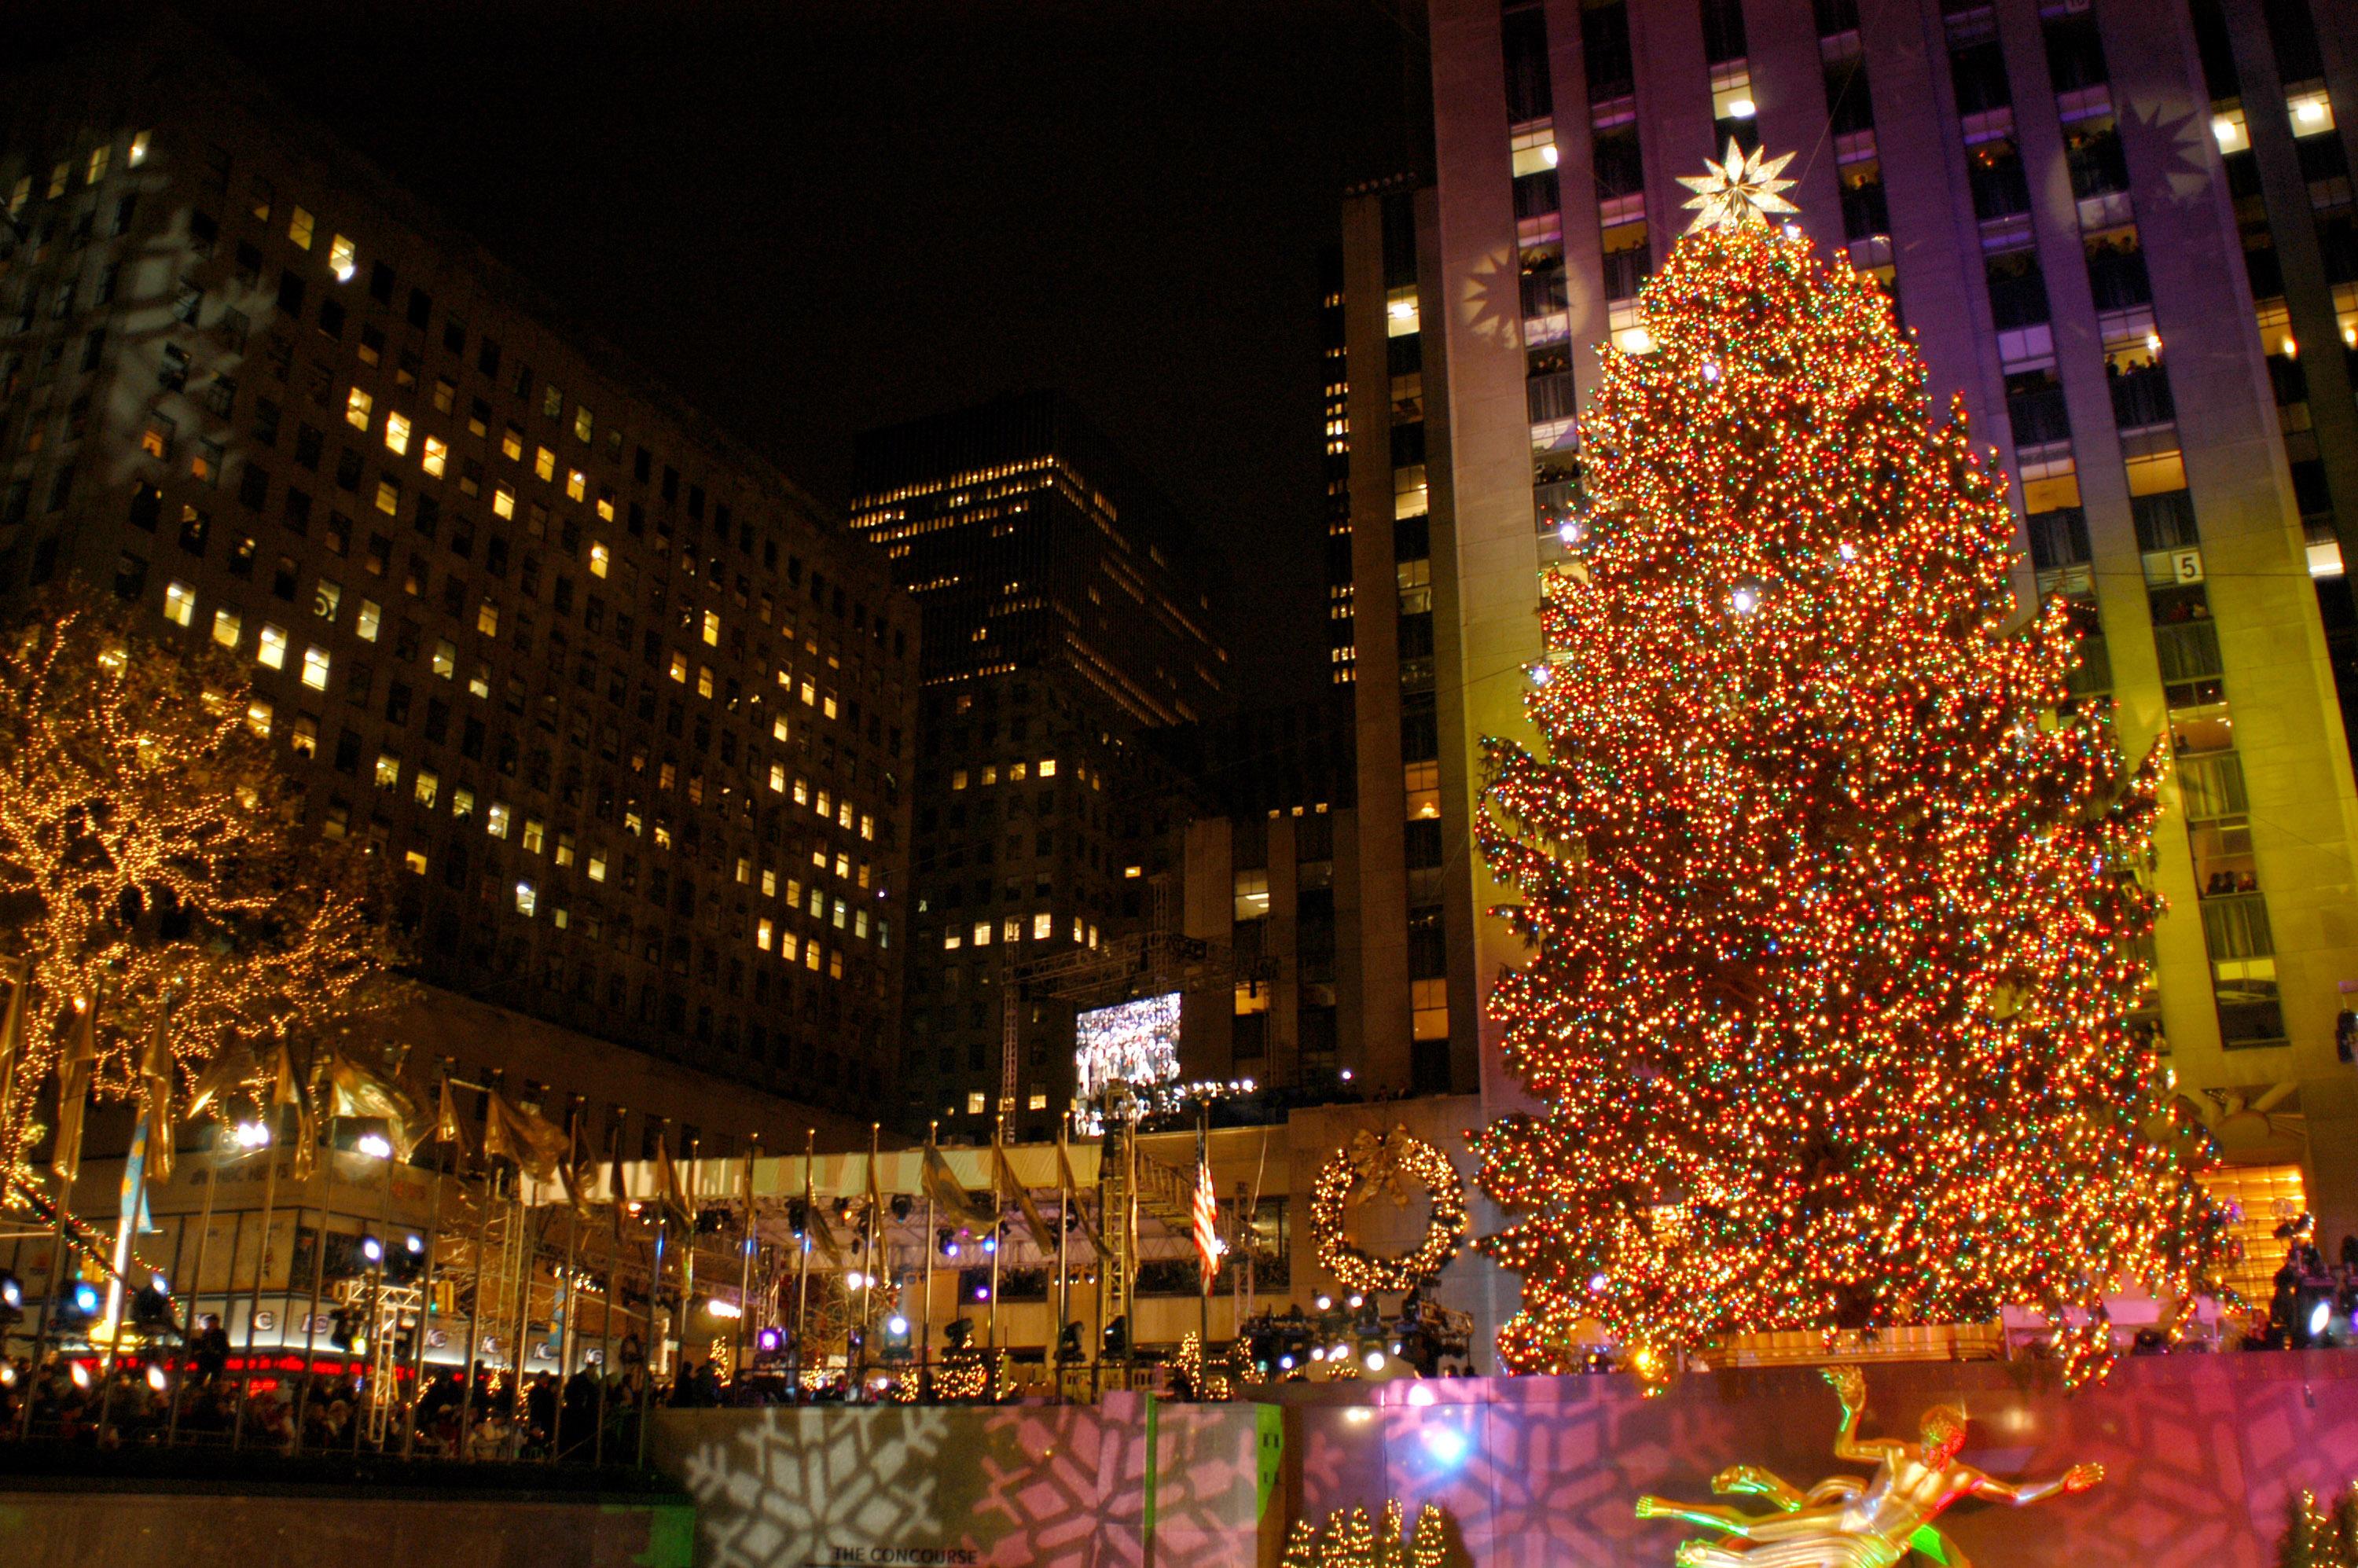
x=584, y=1417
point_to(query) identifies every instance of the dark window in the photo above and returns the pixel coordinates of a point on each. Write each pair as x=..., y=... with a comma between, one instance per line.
x=1995, y=170
x=2075, y=56
x=2034, y=404
x=1523, y=38
x=1605, y=50
x=2017, y=290
x=1978, y=70
x=2116, y=273
x=1620, y=169
x=1723, y=30
x=2057, y=538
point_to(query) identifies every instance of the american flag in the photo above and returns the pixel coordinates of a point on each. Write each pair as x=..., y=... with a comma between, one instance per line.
x=1207, y=1219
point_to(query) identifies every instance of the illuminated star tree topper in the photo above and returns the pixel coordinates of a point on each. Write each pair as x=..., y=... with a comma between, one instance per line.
x=1741, y=189
x=1833, y=895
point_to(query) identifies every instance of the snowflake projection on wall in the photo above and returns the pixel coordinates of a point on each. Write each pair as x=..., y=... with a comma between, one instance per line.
x=780, y=1486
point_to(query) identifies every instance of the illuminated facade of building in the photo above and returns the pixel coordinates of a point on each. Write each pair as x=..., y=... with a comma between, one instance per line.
x=1062, y=617
x=2128, y=240
x=629, y=715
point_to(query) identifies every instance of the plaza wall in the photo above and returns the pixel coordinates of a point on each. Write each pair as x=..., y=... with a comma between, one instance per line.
x=2200, y=1455
x=192, y=1528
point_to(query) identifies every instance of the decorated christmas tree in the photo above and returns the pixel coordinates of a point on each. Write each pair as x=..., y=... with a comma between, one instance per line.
x=1832, y=893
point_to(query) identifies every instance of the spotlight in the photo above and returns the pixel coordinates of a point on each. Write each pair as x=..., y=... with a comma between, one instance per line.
x=251, y=1134
x=1445, y=1444
x=1317, y=1353
x=372, y=1250
x=80, y=1376
x=1357, y=1301
x=1325, y=1302
x=1286, y=1363
x=1373, y=1360
x=416, y=1244
x=12, y=1297
x=990, y=1243
x=375, y=1145
x=769, y=1341
x=901, y=1205
x=720, y=1308
x=2318, y=1316
x=982, y=1292
x=896, y=1325
x=1598, y=1282
x=156, y=1378
x=853, y=1279
x=85, y=1298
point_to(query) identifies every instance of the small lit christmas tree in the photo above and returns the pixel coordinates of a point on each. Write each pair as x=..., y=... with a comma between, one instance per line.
x=1832, y=896
x=1352, y=1540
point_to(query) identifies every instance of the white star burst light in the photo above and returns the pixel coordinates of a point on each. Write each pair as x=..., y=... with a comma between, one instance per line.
x=1742, y=189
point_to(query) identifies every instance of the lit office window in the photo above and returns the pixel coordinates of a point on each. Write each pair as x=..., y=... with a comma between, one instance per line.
x=437, y=457
x=298, y=228
x=503, y=501
x=258, y=717
x=599, y=558
x=397, y=433
x=327, y=598
x=139, y=147
x=272, y=652
x=527, y=899
x=358, y=406
x=388, y=770
x=371, y=617
x=712, y=628
x=227, y=627
x=179, y=603
x=495, y=819
x=424, y=786
x=315, y=668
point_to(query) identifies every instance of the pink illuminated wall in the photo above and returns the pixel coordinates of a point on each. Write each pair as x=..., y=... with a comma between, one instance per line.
x=2201, y=1453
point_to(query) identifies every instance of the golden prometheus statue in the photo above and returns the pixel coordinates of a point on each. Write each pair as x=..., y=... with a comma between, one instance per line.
x=1843, y=1522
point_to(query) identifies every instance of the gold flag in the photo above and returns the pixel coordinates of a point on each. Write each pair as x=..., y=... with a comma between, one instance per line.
x=156, y=1089
x=75, y=1069
x=1041, y=1236
x=231, y=1066
x=447, y=1126
x=356, y=1089
x=615, y=1194
x=667, y=1191
x=822, y=1232
x=951, y=1203
x=580, y=1171
x=286, y=1089
x=525, y=1136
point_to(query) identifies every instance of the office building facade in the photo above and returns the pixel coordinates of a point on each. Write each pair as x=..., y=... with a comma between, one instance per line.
x=2117, y=229
x=1062, y=616
x=626, y=713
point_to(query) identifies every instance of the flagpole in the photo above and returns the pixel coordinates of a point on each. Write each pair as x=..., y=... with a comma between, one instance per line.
x=425, y=1318
x=654, y=1303
x=1212, y=1259
x=1064, y=1229
x=926, y=1320
x=867, y=1253
x=196, y=1287
x=687, y=1254
x=745, y=1264
x=802, y=1262
x=997, y=1213
x=18, y=974
x=261, y=1262
x=613, y=1285
x=475, y=1308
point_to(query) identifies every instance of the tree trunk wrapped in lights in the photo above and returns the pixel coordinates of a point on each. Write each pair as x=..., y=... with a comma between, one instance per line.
x=149, y=842
x=1832, y=896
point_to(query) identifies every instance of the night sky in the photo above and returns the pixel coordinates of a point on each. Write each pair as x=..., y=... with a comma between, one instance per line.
x=811, y=218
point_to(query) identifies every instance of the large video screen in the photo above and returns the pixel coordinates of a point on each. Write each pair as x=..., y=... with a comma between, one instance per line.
x=1134, y=1042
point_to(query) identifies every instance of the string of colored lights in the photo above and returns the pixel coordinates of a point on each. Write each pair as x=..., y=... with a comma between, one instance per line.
x=1833, y=895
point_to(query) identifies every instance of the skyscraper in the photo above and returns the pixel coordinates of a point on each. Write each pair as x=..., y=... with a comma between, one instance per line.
x=1063, y=612
x=2124, y=232
x=627, y=713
